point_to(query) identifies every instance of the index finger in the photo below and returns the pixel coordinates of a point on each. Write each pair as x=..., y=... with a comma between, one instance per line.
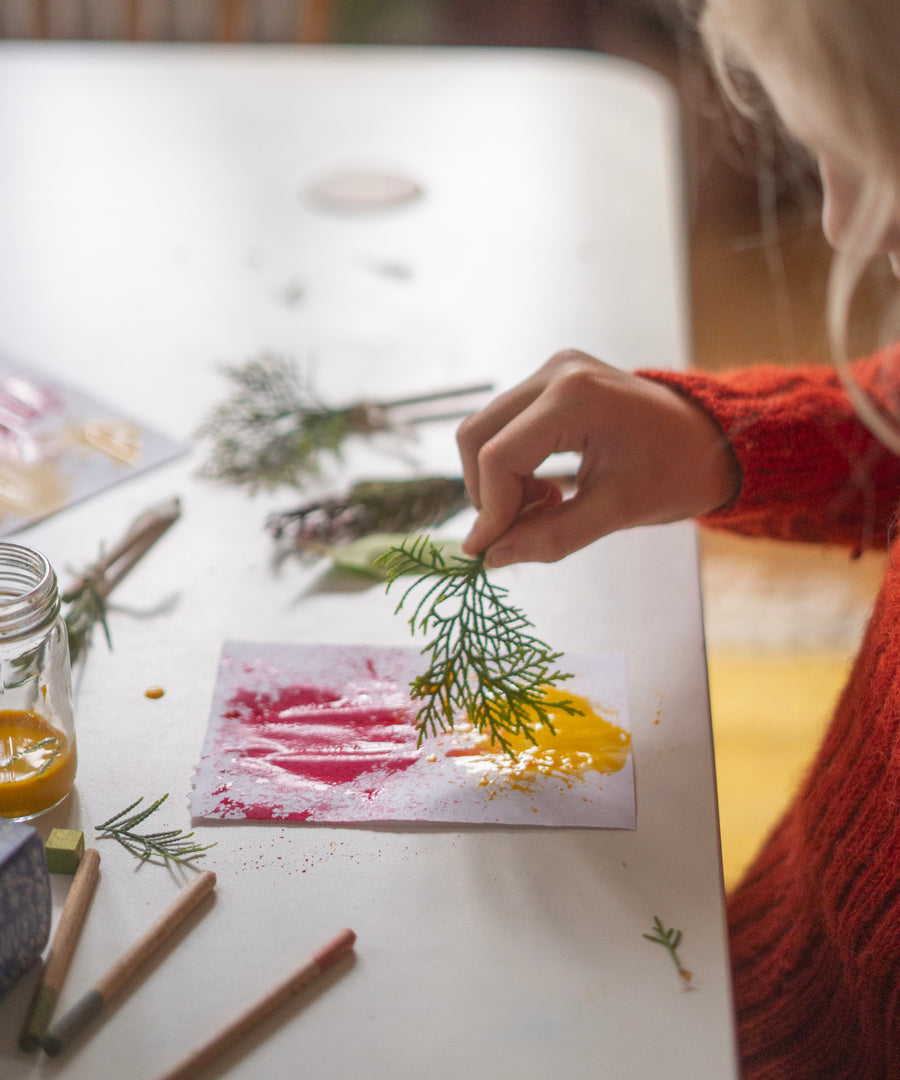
x=505, y=466
x=479, y=428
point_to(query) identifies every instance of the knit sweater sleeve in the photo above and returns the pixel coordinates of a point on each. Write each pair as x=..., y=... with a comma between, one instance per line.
x=811, y=470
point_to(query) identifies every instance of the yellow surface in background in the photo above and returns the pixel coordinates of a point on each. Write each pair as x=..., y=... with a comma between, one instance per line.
x=769, y=714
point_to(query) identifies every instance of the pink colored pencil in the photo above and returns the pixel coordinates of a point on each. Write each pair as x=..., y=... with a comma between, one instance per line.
x=232, y=1033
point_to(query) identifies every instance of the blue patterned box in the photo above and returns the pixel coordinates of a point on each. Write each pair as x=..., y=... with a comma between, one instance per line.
x=25, y=905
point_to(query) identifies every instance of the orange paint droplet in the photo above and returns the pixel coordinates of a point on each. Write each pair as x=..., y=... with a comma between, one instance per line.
x=154, y=692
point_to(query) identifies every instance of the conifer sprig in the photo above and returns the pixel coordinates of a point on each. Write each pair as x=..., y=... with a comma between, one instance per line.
x=485, y=664
x=51, y=742
x=670, y=939
x=171, y=844
x=273, y=430
x=369, y=507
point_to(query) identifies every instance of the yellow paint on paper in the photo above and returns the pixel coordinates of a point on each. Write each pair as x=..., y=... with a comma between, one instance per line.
x=583, y=742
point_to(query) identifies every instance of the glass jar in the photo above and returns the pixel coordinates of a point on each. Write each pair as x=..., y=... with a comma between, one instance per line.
x=37, y=724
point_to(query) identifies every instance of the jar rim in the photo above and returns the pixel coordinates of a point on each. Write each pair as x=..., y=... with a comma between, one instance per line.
x=29, y=597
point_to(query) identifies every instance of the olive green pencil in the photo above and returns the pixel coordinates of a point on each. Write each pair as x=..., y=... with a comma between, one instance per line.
x=62, y=948
x=94, y=1001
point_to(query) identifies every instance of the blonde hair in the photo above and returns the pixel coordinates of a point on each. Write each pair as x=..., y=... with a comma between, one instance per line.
x=846, y=54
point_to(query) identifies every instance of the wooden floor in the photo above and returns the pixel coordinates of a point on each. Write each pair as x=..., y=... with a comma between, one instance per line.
x=782, y=622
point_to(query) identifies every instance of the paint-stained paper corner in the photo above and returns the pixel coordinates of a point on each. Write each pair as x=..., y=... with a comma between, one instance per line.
x=324, y=733
x=59, y=445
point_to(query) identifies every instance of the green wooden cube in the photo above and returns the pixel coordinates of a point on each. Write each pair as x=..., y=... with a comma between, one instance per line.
x=64, y=849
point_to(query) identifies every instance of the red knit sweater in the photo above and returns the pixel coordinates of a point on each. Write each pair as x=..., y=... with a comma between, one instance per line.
x=815, y=922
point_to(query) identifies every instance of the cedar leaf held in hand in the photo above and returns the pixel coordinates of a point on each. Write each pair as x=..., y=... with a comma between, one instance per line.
x=485, y=664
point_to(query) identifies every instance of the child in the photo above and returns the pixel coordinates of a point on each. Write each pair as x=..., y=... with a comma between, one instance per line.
x=800, y=453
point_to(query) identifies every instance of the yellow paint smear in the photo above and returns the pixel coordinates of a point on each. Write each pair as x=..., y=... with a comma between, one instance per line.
x=584, y=742
x=32, y=489
x=121, y=440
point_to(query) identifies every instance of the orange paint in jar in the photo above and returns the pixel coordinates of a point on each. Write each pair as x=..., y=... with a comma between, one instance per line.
x=37, y=727
x=37, y=764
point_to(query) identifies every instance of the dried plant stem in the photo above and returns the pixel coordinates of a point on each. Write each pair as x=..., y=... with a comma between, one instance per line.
x=87, y=596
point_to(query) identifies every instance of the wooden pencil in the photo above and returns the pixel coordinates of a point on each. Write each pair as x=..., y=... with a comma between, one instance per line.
x=232, y=1033
x=93, y=1002
x=62, y=948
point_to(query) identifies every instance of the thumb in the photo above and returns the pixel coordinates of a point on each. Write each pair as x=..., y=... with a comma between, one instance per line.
x=536, y=494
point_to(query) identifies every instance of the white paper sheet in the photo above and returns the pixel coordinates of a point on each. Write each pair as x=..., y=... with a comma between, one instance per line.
x=326, y=733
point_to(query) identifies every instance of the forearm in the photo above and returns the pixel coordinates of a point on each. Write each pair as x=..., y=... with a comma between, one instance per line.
x=810, y=469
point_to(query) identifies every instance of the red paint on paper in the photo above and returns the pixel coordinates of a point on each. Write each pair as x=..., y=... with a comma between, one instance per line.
x=302, y=738
x=315, y=733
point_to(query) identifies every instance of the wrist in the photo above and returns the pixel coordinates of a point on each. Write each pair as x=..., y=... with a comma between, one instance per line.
x=712, y=469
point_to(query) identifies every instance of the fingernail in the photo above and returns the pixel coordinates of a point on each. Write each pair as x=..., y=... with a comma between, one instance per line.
x=498, y=557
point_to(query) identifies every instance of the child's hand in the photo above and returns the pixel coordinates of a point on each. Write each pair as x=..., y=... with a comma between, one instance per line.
x=648, y=455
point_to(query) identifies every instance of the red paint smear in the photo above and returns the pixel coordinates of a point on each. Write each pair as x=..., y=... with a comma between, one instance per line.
x=257, y=811
x=318, y=735
x=266, y=706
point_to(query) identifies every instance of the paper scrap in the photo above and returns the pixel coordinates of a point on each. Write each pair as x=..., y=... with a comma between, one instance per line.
x=59, y=445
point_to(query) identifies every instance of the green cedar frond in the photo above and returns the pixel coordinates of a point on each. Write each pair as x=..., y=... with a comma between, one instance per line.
x=273, y=430
x=485, y=664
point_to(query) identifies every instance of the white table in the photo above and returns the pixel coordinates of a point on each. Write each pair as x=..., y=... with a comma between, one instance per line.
x=152, y=226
